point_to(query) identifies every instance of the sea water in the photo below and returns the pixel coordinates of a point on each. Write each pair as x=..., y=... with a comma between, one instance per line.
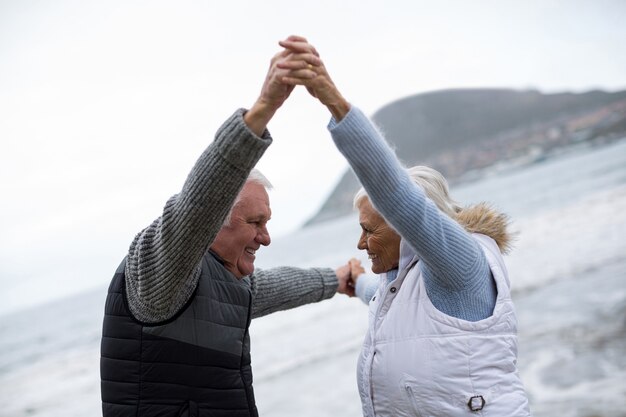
x=568, y=273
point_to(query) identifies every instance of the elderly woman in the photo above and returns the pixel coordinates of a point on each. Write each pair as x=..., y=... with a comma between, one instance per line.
x=442, y=332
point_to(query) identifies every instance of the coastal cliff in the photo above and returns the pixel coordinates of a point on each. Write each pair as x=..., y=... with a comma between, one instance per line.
x=464, y=131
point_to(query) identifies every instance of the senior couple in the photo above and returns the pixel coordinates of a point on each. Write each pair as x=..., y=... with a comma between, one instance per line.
x=442, y=333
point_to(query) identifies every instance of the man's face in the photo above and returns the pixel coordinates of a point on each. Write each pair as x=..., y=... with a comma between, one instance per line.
x=380, y=241
x=237, y=242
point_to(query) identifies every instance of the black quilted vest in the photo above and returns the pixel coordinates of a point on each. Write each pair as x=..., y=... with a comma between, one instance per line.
x=195, y=364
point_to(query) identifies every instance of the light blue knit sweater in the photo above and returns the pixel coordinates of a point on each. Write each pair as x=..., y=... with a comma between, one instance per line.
x=456, y=274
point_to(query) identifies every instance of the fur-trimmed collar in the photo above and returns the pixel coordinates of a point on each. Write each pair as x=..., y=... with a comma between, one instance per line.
x=484, y=219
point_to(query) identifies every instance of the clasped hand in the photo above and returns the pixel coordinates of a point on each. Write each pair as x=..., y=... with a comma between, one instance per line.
x=303, y=66
x=347, y=276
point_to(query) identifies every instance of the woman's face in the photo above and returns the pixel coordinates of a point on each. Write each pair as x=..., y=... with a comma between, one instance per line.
x=380, y=241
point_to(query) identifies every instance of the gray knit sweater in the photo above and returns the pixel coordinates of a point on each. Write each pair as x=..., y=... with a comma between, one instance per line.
x=456, y=274
x=163, y=263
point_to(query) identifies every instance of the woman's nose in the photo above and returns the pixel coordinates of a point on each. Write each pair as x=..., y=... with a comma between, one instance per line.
x=362, y=243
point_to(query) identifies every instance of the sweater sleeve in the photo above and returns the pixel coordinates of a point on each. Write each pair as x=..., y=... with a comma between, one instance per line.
x=284, y=288
x=366, y=287
x=453, y=262
x=163, y=263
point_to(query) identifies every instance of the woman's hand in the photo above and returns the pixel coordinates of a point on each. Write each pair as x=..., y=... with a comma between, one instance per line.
x=356, y=269
x=305, y=67
x=347, y=276
x=345, y=284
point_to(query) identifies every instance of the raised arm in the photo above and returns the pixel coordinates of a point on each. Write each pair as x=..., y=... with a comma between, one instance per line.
x=452, y=260
x=162, y=267
x=451, y=255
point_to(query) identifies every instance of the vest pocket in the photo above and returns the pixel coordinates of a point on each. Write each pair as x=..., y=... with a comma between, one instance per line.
x=494, y=401
x=415, y=405
x=426, y=402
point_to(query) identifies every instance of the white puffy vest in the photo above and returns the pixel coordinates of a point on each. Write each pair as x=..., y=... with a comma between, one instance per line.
x=418, y=361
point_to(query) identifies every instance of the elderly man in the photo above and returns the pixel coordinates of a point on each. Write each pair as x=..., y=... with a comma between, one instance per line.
x=175, y=337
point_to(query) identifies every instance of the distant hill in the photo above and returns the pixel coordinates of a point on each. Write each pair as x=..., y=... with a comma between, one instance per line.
x=458, y=131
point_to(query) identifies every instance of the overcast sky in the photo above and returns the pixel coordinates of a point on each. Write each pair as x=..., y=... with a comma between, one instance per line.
x=105, y=105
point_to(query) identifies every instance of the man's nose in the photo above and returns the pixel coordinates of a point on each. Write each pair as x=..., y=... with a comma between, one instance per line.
x=263, y=237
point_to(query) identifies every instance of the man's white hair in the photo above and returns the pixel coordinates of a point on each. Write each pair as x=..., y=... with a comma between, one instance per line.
x=256, y=177
x=434, y=185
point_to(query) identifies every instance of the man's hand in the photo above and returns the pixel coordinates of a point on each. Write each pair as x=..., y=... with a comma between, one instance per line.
x=273, y=93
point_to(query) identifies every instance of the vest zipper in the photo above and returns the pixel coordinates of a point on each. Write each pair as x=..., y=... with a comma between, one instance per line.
x=243, y=343
x=382, y=299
